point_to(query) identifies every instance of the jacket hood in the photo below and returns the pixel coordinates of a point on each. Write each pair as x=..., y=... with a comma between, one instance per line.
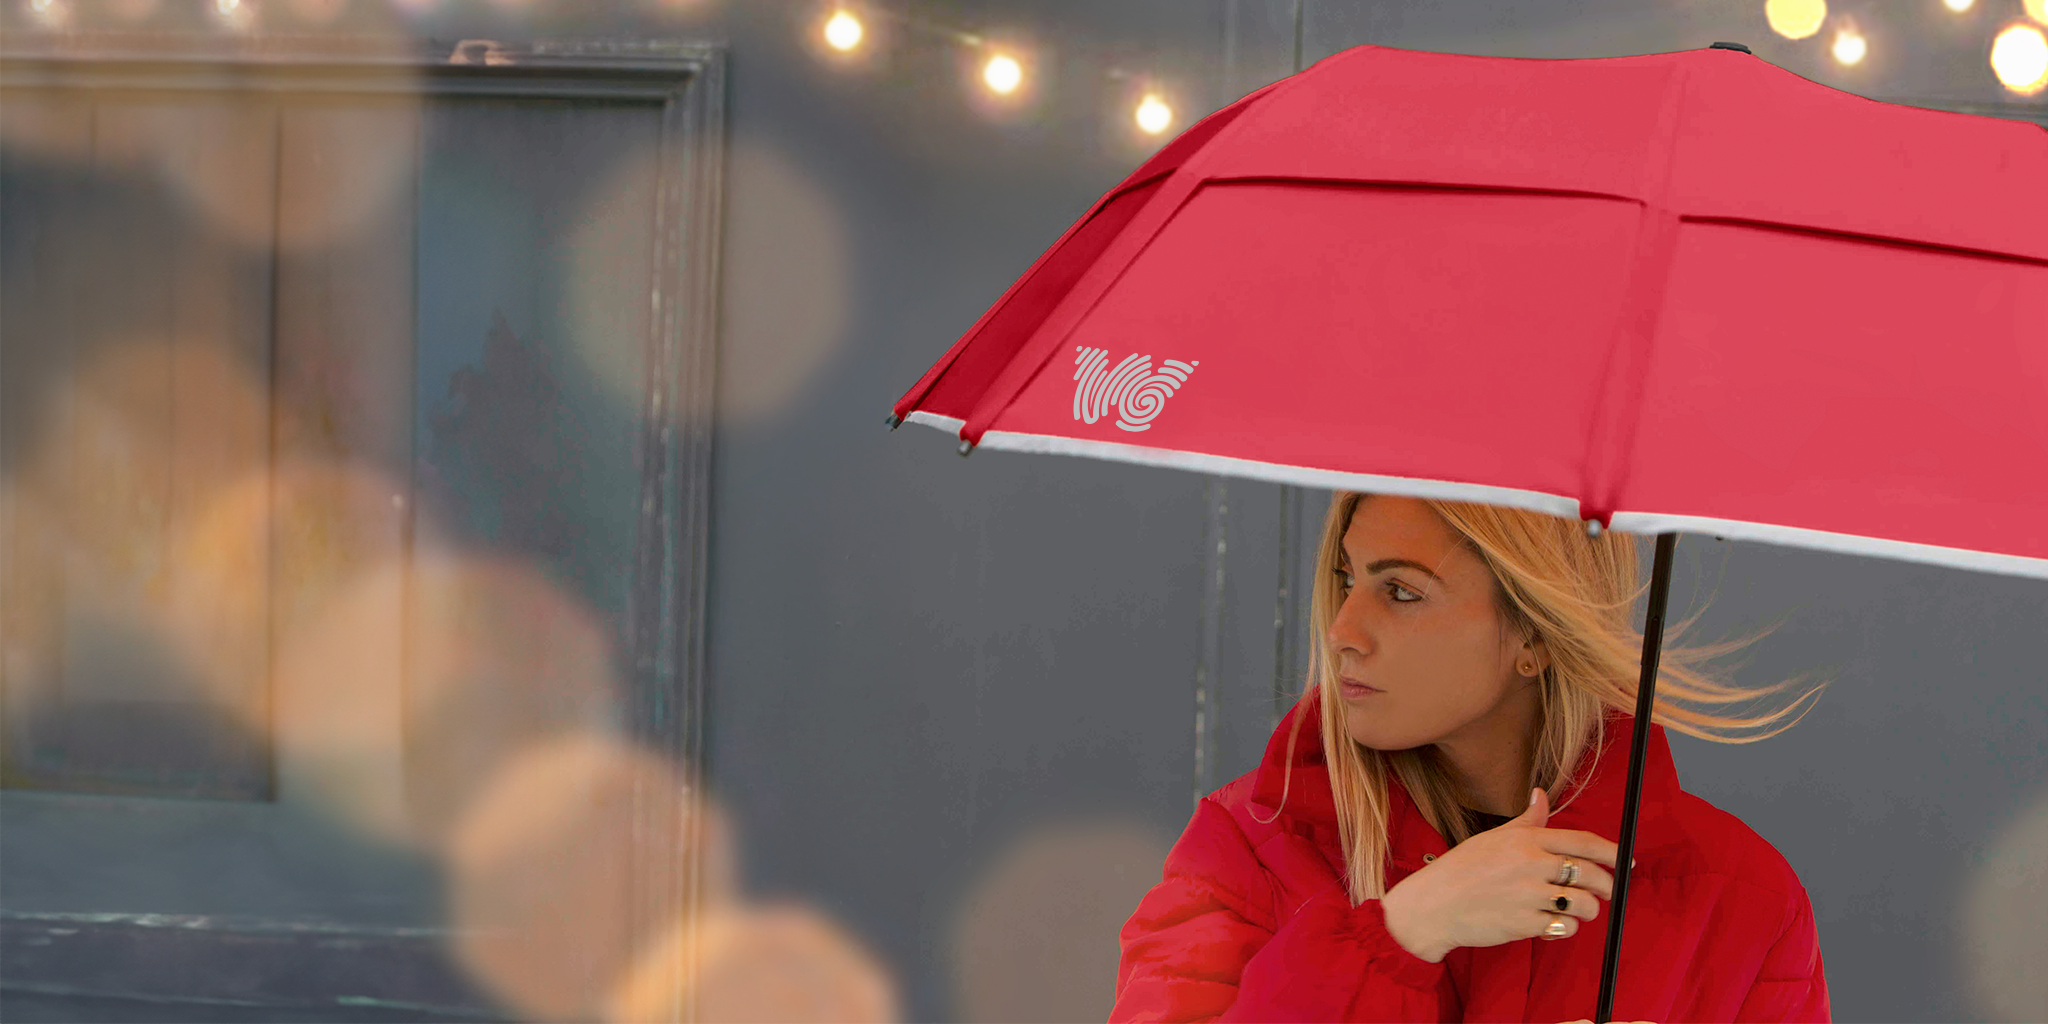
x=1595, y=808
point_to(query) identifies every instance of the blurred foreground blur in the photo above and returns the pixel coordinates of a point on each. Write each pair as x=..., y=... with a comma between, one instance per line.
x=336, y=414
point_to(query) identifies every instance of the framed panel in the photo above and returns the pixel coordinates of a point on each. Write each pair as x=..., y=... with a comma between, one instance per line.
x=410, y=351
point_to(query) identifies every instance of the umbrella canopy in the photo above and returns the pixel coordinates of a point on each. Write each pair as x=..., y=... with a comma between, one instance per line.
x=1679, y=291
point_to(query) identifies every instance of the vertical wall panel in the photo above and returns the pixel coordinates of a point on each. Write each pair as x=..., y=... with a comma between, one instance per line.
x=153, y=447
x=535, y=243
x=344, y=427
x=46, y=136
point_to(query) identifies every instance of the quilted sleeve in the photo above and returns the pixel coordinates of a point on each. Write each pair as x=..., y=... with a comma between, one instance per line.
x=1793, y=984
x=1204, y=946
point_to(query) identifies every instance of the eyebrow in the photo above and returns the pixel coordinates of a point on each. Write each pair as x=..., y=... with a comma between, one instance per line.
x=1375, y=568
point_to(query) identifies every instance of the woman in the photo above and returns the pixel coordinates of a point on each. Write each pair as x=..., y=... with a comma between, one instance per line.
x=1399, y=843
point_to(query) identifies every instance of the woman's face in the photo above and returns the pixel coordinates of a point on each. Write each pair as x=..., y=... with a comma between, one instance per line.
x=1418, y=622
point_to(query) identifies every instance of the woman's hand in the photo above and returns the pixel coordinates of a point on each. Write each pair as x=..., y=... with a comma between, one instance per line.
x=1496, y=886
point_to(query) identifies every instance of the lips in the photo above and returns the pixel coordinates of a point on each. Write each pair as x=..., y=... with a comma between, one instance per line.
x=1353, y=684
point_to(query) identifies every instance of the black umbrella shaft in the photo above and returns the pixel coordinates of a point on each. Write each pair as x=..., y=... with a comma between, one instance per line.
x=1646, y=696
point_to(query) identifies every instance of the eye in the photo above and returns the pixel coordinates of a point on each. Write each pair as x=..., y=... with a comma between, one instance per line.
x=1394, y=590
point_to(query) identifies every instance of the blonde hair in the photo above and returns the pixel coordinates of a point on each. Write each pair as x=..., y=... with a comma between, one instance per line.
x=1554, y=583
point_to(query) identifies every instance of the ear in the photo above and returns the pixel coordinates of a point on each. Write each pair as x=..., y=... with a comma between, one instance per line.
x=1534, y=649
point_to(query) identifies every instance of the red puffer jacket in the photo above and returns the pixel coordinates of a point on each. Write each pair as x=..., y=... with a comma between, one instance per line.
x=1251, y=923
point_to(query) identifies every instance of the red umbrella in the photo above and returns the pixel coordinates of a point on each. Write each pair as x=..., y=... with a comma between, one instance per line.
x=1678, y=291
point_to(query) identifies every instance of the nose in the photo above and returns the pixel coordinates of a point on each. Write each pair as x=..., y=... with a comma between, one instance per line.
x=1348, y=629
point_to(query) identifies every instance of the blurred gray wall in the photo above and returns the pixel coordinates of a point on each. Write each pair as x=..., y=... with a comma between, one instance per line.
x=955, y=700
x=964, y=706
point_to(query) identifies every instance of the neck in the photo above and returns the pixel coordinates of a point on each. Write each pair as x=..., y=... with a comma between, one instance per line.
x=1492, y=757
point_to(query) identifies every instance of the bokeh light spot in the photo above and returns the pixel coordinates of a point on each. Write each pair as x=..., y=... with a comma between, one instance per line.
x=843, y=31
x=1850, y=47
x=1795, y=19
x=787, y=280
x=2004, y=922
x=1153, y=115
x=1002, y=73
x=2019, y=57
x=1035, y=937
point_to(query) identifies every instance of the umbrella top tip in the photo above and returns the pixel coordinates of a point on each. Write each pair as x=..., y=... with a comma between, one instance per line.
x=1730, y=46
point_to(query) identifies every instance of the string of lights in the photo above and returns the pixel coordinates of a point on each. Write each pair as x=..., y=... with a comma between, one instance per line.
x=1003, y=68
x=2019, y=50
x=2018, y=56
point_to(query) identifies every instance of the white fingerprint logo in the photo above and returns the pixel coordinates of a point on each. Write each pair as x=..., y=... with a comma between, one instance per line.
x=1133, y=389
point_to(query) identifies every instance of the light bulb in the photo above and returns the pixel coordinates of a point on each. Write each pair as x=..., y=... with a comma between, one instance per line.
x=1003, y=73
x=2019, y=57
x=1795, y=19
x=1154, y=115
x=50, y=13
x=843, y=32
x=1850, y=46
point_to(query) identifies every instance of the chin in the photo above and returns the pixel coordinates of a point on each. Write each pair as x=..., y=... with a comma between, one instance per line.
x=1371, y=731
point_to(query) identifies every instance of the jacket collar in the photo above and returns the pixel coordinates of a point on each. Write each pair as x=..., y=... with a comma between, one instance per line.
x=1596, y=809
